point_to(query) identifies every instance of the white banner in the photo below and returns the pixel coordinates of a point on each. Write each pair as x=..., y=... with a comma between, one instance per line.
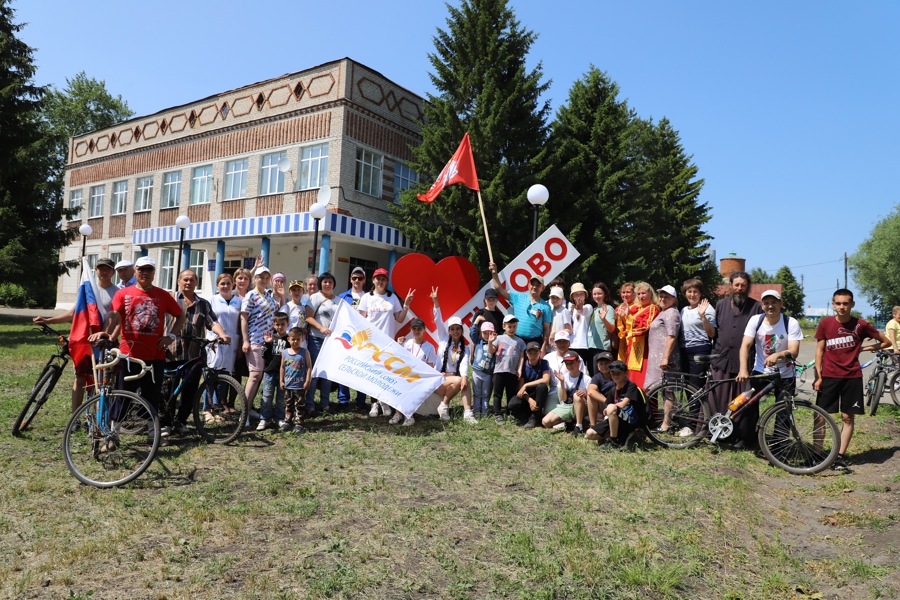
x=367, y=360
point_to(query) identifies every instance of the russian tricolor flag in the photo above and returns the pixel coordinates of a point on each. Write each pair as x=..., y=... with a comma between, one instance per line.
x=85, y=321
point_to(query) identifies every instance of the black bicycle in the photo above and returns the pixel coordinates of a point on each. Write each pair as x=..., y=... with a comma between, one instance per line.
x=885, y=366
x=46, y=381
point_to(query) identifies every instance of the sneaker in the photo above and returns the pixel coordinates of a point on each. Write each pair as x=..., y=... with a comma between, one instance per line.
x=374, y=412
x=164, y=432
x=498, y=419
x=284, y=426
x=685, y=432
x=408, y=421
x=298, y=429
x=575, y=432
x=531, y=422
x=444, y=412
x=840, y=464
x=470, y=418
x=262, y=425
x=395, y=420
x=253, y=413
x=181, y=428
x=385, y=409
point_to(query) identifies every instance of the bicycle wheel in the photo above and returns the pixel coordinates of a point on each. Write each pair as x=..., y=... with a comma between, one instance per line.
x=801, y=439
x=687, y=414
x=102, y=453
x=877, y=391
x=809, y=374
x=45, y=384
x=894, y=386
x=220, y=409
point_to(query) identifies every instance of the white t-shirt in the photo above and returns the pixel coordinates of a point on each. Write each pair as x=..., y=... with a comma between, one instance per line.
x=573, y=385
x=580, y=322
x=772, y=339
x=380, y=311
x=452, y=357
x=424, y=351
x=557, y=365
x=561, y=317
x=323, y=310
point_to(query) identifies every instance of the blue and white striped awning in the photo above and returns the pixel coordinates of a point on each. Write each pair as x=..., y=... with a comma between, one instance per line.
x=340, y=226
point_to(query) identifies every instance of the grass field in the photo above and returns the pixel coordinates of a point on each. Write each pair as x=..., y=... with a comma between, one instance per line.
x=359, y=509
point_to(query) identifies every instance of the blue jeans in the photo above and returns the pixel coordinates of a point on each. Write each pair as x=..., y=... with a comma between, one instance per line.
x=271, y=390
x=344, y=396
x=481, y=391
x=314, y=345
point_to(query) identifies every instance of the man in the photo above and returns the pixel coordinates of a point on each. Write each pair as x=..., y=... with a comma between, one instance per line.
x=534, y=314
x=839, y=340
x=351, y=297
x=139, y=311
x=776, y=338
x=732, y=315
x=105, y=290
x=125, y=271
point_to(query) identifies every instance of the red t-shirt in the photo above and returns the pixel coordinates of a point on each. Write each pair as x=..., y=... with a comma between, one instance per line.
x=143, y=320
x=842, y=345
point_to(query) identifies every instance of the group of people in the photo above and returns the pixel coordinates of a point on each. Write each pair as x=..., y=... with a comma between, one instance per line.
x=580, y=362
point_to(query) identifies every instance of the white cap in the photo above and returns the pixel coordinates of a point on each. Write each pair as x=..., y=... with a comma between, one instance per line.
x=558, y=292
x=510, y=317
x=669, y=290
x=562, y=334
x=454, y=321
x=124, y=263
x=773, y=293
x=262, y=270
x=145, y=261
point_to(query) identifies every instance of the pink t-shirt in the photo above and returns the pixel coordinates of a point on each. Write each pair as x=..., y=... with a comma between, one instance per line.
x=843, y=342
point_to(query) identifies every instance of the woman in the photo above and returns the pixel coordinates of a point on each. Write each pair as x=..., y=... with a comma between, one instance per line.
x=602, y=325
x=662, y=339
x=257, y=319
x=227, y=307
x=278, y=293
x=319, y=314
x=242, y=280
x=581, y=316
x=636, y=342
x=698, y=328
x=625, y=317
x=892, y=329
x=382, y=309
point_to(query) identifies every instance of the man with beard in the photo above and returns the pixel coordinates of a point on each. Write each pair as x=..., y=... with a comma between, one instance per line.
x=732, y=315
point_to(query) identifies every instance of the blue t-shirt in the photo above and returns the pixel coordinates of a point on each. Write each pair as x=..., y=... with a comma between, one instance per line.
x=294, y=369
x=482, y=360
x=531, y=315
x=534, y=372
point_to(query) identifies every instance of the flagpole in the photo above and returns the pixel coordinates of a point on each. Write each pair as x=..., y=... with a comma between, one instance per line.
x=484, y=222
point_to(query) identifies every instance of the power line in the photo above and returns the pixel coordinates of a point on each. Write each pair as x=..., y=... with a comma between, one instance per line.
x=827, y=262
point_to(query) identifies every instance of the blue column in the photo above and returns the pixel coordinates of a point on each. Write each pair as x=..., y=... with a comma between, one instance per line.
x=392, y=260
x=325, y=253
x=220, y=257
x=264, y=250
x=185, y=257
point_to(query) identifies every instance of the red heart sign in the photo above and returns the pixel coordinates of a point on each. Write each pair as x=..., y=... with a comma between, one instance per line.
x=455, y=277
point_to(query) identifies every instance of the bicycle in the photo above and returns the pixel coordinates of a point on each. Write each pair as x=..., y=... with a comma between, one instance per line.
x=113, y=437
x=802, y=370
x=884, y=364
x=220, y=406
x=46, y=381
x=793, y=434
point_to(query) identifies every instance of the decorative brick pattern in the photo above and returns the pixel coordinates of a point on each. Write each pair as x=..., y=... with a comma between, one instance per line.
x=97, y=225
x=269, y=205
x=167, y=217
x=117, y=226
x=305, y=199
x=198, y=213
x=232, y=209
x=142, y=220
x=379, y=136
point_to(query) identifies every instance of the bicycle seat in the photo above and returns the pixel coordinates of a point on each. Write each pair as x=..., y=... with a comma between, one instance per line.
x=706, y=358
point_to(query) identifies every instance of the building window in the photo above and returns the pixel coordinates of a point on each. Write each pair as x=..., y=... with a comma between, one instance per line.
x=236, y=179
x=92, y=260
x=271, y=180
x=119, y=197
x=115, y=257
x=143, y=198
x=76, y=198
x=200, y=185
x=404, y=178
x=313, y=166
x=368, y=172
x=98, y=195
x=171, y=189
x=198, y=265
x=167, y=269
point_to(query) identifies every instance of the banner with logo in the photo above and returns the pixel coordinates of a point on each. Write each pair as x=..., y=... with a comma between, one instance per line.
x=367, y=360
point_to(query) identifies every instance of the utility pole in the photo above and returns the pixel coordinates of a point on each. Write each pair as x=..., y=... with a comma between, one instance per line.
x=845, y=270
x=801, y=281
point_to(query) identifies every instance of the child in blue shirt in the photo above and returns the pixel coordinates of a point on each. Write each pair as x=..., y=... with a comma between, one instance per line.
x=482, y=369
x=295, y=376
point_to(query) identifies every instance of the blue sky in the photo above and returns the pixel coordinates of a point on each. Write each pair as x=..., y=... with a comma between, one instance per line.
x=789, y=108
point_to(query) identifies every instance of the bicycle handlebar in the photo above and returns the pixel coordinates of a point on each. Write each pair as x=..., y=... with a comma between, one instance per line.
x=117, y=356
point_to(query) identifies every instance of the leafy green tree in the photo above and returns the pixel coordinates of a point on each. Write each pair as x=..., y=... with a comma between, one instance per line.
x=757, y=275
x=485, y=89
x=875, y=267
x=791, y=292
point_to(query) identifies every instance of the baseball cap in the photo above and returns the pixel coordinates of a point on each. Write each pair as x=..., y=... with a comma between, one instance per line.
x=668, y=289
x=123, y=264
x=106, y=262
x=510, y=318
x=454, y=321
x=297, y=283
x=487, y=326
x=562, y=334
x=570, y=356
x=557, y=292
x=603, y=355
x=417, y=323
x=379, y=272
x=537, y=278
x=491, y=293
x=618, y=366
x=773, y=293
x=262, y=270
x=145, y=261
x=359, y=270
x=532, y=346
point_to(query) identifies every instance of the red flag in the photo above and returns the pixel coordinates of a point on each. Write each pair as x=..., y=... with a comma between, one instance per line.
x=460, y=169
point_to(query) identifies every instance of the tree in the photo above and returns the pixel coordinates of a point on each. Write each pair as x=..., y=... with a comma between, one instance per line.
x=875, y=267
x=757, y=275
x=484, y=89
x=791, y=293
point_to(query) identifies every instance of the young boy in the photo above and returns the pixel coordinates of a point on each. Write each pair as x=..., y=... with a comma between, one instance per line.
x=296, y=307
x=572, y=388
x=840, y=382
x=482, y=369
x=624, y=412
x=561, y=317
x=509, y=354
x=534, y=387
x=422, y=349
x=294, y=378
x=599, y=390
x=274, y=346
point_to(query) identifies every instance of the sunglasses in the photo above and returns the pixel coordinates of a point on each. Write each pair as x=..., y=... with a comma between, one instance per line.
x=357, y=278
x=145, y=269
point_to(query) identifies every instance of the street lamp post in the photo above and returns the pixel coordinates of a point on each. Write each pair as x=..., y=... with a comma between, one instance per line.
x=85, y=231
x=182, y=223
x=317, y=212
x=537, y=196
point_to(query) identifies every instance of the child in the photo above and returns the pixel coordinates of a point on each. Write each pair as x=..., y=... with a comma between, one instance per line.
x=572, y=387
x=295, y=376
x=483, y=368
x=421, y=349
x=535, y=385
x=599, y=390
x=624, y=412
x=561, y=318
x=296, y=307
x=509, y=354
x=274, y=346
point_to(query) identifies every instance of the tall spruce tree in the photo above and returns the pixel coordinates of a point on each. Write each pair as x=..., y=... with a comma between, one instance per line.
x=791, y=293
x=485, y=89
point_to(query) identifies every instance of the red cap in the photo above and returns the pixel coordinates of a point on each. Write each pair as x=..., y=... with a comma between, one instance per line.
x=380, y=272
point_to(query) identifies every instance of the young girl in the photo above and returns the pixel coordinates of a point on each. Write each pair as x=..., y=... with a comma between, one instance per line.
x=453, y=364
x=483, y=368
x=581, y=316
x=422, y=349
x=295, y=375
x=509, y=353
x=602, y=327
x=561, y=318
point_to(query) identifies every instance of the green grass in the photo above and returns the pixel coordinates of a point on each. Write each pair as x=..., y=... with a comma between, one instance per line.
x=359, y=509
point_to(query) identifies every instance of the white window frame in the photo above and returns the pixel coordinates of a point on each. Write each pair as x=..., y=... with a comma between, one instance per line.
x=92, y=261
x=119, y=198
x=198, y=265
x=271, y=180
x=143, y=194
x=76, y=200
x=115, y=257
x=404, y=179
x=167, y=268
x=236, y=172
x=369, y=166
x=171, y=190
x=201, y=184
x=313, y=166
x=97, y=198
